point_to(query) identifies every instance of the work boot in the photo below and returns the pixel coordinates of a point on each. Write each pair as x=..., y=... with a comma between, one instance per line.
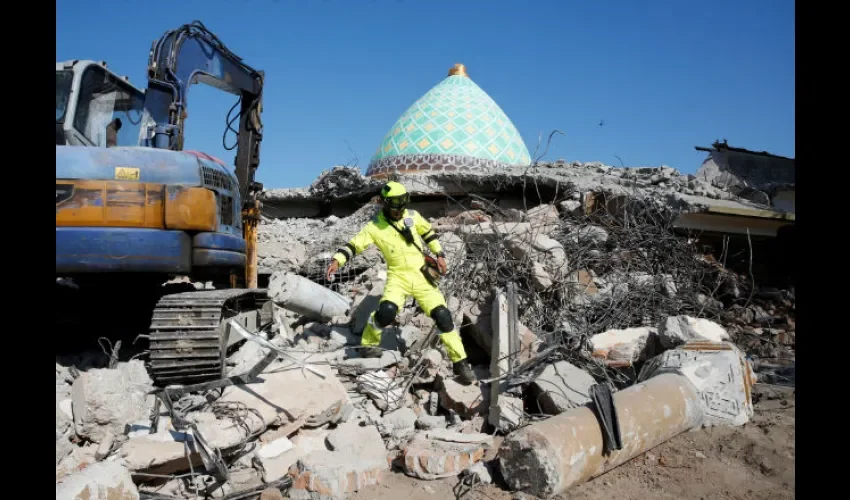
x=371, y=352
x=464, y=372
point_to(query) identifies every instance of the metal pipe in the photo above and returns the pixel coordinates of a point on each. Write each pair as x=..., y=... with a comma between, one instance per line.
x=549, y=457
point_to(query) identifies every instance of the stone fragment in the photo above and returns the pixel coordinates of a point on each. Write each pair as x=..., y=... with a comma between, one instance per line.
x=427, y=422
x=358, y=459
x=105, y=400
x=625, y=346
x=561, y=386
x=305, y=442
x=507, y=414
x=466, y=400
x=275, y=448
x=100, y=481
x=399, y=423
x=271, y=494
x=570, y=206
x=434, y=459
x=290, y=393
x=720, y=372
x=678, y=330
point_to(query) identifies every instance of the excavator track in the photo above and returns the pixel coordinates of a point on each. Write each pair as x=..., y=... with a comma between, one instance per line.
x=187, y=339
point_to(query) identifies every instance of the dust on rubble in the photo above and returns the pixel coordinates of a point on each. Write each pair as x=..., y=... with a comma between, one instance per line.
x=562, y=305
x=754, y=462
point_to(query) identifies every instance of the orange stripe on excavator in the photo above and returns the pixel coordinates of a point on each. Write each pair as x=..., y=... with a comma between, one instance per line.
x=136, y=204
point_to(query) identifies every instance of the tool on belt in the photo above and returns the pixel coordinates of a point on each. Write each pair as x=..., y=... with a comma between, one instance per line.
x=430, y=270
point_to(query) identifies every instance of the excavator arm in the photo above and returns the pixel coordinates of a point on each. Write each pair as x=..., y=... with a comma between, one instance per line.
x=193, y=54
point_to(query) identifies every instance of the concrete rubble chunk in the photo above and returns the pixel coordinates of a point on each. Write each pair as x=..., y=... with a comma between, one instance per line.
x=625, y=346
x=275, y=448
x=385, y=391
x=427, y=422
x=400, y=423
x=100, y=481
x=507, y=414
x=431, y=459
x=466, y=400
x=678, y=330
x=358, y=459
x=723, y=377
x=105, y=400
x=561, y=386
x=288, y=393
x=305, y=442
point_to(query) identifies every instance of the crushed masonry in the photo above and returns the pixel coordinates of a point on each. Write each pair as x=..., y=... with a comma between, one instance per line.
x=563, y=279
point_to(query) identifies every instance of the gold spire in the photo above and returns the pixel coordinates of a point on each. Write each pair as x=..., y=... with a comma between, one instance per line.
x=458, y=70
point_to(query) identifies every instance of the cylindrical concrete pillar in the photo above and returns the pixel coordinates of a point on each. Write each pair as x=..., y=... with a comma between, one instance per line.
x=305, y=297
x=549, y=457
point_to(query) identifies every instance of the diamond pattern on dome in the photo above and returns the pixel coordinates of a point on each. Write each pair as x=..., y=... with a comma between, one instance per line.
x=455, y=125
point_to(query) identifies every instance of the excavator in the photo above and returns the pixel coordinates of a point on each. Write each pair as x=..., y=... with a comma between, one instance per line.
x=135, y=210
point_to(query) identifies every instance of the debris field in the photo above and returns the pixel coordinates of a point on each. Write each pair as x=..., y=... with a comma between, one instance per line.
x=600, y=330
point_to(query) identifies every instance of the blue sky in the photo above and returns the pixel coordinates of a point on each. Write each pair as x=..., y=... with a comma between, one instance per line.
x=664, y=75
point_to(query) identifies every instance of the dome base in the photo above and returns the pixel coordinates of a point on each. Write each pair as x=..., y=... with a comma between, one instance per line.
x=423, y=163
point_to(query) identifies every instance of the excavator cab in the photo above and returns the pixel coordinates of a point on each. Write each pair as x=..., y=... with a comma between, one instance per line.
x=133, y=208
x=95, y=107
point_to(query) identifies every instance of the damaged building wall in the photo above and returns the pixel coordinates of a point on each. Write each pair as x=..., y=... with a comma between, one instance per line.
x=758, y=176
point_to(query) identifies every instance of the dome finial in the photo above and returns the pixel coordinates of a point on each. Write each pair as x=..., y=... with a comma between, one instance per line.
x=458, y=70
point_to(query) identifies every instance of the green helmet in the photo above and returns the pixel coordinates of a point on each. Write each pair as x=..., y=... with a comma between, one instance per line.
x=394, y=195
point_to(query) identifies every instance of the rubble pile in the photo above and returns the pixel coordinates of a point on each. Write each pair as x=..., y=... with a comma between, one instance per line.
x=565, y=308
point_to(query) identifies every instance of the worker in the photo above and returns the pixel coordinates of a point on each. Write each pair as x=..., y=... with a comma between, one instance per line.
x=395, y=230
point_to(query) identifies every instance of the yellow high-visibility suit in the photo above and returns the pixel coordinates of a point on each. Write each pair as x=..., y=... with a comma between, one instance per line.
x=404, y=278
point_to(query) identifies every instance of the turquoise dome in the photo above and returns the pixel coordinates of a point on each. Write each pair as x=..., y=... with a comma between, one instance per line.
x=454, y=126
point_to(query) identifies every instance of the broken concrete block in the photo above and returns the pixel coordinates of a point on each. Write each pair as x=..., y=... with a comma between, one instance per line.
x=288, y=393
x=507, y=414
x=275, y=448
x=434, y=459
x=543, y=218
x=466, y=400
x=304, y=443
x=63, y=422
x=305, y=297
x=625, y=346
x=105, y=400
x=561, y=386
x=64, y=446
x=271, y=494
x=721, y=374
x=400, y=423
x=570, y=206
x=540, y=278
x=105, y=447
x=100, y=481
x=678, y=330
x=78, y=459
x=386, y=392
x=480, y=469
x=428, y=422
x=358, y=459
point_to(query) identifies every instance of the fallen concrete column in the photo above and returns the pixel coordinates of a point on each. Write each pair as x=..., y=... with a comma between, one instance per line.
x=549, y=457
x=305, y=297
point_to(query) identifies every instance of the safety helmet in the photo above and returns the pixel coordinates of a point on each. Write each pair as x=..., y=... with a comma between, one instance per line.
x=394, y=195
